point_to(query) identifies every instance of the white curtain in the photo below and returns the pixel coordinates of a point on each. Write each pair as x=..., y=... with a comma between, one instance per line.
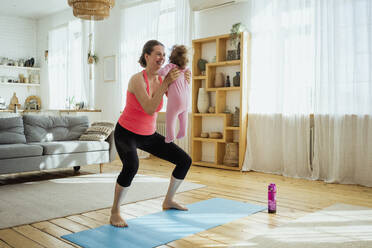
x=183, y=24
x=343, y=91
x=87, y=87
x=76, y=63
x=139, y=24
x=67, y=66
x=168, y=21
x=280, y=93
x=311, y=56
x=57, y=67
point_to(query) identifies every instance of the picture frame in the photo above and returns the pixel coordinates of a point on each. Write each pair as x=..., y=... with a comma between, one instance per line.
x=109, y=68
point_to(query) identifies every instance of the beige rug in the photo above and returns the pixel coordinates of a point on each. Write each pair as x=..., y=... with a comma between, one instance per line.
x=37, y=201
x=340, y=225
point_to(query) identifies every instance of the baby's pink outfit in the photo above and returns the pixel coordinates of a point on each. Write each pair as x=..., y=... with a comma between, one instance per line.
x=178, y=100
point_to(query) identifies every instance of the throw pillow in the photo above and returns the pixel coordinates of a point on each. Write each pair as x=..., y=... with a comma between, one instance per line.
x=98, y=131
x=12, y=131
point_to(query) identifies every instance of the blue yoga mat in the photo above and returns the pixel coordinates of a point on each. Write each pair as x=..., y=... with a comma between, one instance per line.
x=166, y=226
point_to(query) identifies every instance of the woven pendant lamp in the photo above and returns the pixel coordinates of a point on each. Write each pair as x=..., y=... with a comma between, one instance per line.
x=91, y=9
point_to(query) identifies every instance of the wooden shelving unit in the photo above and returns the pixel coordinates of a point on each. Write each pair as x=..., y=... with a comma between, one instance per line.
x=221, y=100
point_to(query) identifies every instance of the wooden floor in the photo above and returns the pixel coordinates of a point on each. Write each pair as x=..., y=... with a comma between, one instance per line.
x=295, y=198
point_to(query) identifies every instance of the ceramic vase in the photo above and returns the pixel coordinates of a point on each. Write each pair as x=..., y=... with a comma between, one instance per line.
x=203, y=101
x=219, y=80
x=236, y=79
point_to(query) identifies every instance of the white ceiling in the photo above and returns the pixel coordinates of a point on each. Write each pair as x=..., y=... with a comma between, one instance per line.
x=34, y=9
x=37, y=9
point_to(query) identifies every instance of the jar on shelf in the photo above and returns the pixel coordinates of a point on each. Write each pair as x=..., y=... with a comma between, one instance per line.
x=231, y=157
x=219, y=80
x=203, y=101
x=235, y=118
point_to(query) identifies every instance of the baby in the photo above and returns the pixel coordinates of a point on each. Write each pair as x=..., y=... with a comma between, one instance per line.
x=178, y=93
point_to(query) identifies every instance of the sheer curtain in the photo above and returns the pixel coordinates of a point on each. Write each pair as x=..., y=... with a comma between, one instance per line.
x=139, y=24
x=281, y=88
x=343, y=92
x=57, y=67
x=67, y=66
x=168, y=21
x=75, y=85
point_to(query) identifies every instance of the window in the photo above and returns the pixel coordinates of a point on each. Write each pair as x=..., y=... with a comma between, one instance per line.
x=166, y=31
x=66, y=66
x=154, y=20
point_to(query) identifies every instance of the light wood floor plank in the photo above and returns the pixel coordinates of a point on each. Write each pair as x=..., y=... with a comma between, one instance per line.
x=53, y=230
x=40, y=237
x=98, y=217
x=4, y=245
x=69, y=225
x=17, y=240
x=83, y=220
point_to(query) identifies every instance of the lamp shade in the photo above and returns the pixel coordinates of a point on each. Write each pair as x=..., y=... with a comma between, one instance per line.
x=91, y=9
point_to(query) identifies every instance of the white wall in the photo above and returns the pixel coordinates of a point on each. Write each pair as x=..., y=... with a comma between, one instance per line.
x=17, y=41
x=219, y=21
x=44, y=26
x=107, y=43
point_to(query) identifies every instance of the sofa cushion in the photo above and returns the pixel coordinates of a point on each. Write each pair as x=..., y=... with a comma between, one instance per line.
x=12, y=131
x=20, y=151
x=62, y=147
x=54, y=128
x=99, y=131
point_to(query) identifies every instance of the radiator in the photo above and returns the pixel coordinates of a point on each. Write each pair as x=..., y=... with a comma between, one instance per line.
x=183, y=143
x=311, y=147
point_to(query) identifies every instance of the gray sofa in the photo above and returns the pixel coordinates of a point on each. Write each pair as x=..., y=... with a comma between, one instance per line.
x=34, y=143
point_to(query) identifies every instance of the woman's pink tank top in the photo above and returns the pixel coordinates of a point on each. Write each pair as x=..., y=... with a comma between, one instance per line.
x=134, y=118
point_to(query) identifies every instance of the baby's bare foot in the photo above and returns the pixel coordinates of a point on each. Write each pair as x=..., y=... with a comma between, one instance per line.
x=173, y=205
x=116, y=220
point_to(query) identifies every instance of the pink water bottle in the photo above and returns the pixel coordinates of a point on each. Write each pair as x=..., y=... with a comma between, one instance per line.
x=271, y=198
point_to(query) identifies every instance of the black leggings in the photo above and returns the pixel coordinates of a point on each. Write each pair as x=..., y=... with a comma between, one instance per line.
x=127, y=143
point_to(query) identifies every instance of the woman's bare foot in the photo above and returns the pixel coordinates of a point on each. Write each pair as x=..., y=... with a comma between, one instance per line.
x=173, y=205
x=117, y=221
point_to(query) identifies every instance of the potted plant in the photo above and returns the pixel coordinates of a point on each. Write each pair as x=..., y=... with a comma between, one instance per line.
x=92, y=58
x=235, y=31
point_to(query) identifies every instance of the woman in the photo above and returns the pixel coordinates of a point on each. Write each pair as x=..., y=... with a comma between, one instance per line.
x=136, y=129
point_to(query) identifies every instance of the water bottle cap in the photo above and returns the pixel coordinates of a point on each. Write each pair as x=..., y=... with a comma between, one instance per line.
x=272, y=187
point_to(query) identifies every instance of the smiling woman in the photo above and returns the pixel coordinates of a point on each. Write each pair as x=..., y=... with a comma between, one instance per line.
x=136, y=129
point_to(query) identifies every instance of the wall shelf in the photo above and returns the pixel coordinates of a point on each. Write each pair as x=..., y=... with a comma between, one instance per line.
x=211, y=114
x=208, y=139
x=224, y=89
x=20, y=67
x=213, y=165
x=225, y=63
x=20, y=84
x=199, y=77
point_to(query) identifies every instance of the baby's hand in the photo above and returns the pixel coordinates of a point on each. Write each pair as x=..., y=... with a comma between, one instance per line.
x=172, y=76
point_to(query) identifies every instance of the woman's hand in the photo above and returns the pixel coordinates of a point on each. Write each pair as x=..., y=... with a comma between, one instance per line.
x=188, y=76
x=171, y=76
